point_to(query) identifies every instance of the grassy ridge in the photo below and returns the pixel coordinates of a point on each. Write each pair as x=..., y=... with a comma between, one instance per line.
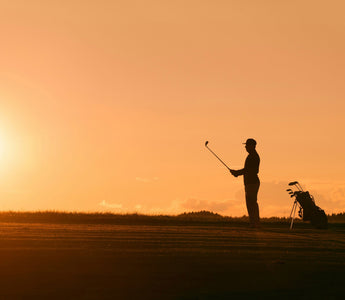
x=137, y=219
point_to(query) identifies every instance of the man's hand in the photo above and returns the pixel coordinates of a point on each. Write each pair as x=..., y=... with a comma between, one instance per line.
x=233, y=172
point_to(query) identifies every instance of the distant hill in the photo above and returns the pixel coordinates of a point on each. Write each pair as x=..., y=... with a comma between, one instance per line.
x=200, y=214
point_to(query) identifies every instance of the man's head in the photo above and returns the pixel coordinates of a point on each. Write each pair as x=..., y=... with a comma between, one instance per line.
x=250, y=145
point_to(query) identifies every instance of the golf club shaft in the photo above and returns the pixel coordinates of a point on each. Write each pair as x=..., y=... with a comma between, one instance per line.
x=217, y=157
x=298, y=186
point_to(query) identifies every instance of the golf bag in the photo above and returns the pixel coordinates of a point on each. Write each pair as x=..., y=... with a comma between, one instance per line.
x=308, y=210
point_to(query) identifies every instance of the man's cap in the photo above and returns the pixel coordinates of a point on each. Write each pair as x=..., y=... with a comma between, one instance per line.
x=250, y=142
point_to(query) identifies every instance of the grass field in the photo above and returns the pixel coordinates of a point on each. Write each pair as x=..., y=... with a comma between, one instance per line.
x=171, y=260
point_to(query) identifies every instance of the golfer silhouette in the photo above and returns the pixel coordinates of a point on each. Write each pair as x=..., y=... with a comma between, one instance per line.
x=251, y=181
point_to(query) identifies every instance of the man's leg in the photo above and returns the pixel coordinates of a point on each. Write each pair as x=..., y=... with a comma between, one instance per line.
x=252, y=203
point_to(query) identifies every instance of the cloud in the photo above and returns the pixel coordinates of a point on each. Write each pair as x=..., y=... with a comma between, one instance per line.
x=332, y=199
x=138, y=207
x=110, y=205
x=273, y=201
x=198, y=204
x=226, y=207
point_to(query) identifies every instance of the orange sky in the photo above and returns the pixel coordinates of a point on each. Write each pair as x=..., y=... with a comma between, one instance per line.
x=106, y=105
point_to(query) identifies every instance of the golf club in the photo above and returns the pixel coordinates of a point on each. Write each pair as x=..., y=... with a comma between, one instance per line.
x=296, y=183
x=206, y=143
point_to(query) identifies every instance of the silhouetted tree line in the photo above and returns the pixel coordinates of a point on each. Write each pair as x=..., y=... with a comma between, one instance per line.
x=110, y=218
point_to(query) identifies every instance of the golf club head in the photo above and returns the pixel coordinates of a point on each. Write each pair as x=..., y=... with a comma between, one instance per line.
x=289, y=190
x=291, y=193
x=293, y=183
x=206, y=143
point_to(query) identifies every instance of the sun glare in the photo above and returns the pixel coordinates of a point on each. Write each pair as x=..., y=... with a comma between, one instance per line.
x=2, y=147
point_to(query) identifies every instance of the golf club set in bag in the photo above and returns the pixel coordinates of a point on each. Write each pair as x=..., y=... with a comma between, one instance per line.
x=308, y=210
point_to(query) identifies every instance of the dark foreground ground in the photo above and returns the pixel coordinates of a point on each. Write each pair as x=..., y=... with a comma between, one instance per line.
x=61, y=261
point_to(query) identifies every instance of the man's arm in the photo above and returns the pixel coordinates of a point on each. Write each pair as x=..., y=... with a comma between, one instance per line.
x=237, y=172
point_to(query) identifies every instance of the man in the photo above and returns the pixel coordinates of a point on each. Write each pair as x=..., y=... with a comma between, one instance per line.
x=251, y=181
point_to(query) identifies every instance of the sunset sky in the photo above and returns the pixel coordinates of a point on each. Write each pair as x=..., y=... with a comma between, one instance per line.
x=106, y=105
